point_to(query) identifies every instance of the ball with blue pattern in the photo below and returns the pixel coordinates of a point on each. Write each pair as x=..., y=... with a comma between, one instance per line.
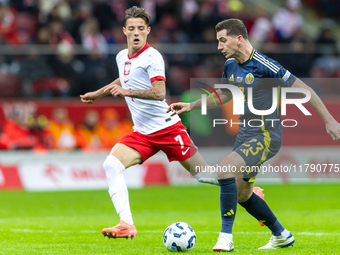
x=179, y=236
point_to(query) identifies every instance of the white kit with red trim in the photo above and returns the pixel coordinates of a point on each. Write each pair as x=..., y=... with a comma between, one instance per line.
x=138, y=73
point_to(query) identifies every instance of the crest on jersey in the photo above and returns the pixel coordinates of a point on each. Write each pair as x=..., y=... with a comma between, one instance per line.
x=127, y=68
x=249, y=78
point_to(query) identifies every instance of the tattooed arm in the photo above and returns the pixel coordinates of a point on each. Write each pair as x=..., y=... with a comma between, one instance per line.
x=155, y=93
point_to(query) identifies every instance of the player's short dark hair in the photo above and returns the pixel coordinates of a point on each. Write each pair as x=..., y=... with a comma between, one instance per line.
x=136, y=12
x=234, y=27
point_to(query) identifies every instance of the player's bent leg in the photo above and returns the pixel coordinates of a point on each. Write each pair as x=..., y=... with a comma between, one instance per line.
x=258, y=191
x=259, y=209
x=256, y=206
x=120, y=158
x=199, y=169
x=246, y=189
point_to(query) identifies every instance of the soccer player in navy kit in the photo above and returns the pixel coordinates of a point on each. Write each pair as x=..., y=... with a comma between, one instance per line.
x=246, y=67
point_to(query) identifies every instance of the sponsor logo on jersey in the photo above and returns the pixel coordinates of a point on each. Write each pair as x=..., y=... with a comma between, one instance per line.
x=127, y=68
x=231, y=78
x=239, y=79
x=185, y=152
x=286, y=76
x=249, y=78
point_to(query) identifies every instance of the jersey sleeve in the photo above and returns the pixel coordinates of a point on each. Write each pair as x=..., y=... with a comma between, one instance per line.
x=156, y=68
x=273, y=69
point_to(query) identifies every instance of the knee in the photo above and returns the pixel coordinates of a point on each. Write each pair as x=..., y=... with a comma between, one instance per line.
x=113, y=165
x=226, y=174
x=243, y=196
x=107, y=163
x=220, y=175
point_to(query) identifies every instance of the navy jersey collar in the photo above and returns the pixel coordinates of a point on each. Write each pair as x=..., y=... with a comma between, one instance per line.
x=249, y=59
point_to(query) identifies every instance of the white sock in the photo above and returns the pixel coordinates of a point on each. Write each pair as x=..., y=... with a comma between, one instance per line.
x=285, y=233
x=199, y=175
x=117, y=188
x=229, y=236
x=206, y=174
x=205, y=177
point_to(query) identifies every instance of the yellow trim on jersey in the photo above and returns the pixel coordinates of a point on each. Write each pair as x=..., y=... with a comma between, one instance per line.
x=252, y=54
x=252, y=179
x=267, y=140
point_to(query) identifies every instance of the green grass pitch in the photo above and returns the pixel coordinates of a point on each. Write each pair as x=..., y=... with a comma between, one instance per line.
x=70, y=222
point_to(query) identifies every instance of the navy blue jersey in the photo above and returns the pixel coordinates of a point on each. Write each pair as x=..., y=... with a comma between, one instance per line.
x=262, y=74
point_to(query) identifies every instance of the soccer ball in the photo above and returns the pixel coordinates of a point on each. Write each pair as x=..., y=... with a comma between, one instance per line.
x=179, y=236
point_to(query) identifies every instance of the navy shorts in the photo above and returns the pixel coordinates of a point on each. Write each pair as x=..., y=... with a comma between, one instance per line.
x=255, y=151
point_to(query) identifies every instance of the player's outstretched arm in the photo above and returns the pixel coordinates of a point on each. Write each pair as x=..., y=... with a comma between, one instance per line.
x=155, y=93
x=179, y=108
x=332, y=126
x=90, y=97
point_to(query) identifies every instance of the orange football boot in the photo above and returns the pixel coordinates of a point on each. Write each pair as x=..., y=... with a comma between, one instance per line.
x=122, y=230
x=258, y=191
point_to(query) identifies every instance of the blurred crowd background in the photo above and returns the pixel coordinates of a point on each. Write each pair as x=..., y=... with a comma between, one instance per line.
x=64, y=48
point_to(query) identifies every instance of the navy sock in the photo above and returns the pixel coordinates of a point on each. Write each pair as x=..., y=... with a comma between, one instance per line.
x=228, y=203
x=276, y=228
x=258, y=208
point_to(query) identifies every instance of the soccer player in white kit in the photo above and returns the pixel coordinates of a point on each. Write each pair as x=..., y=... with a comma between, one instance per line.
x=142, y=83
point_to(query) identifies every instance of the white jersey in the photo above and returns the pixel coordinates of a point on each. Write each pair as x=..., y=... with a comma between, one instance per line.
x=138, y=73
